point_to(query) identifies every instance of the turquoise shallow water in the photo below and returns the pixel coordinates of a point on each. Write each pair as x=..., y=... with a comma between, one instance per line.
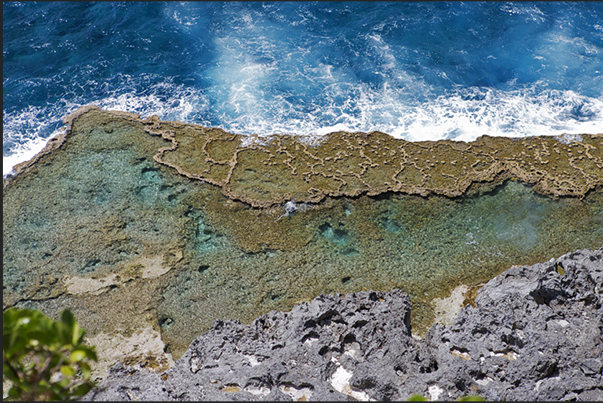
x=423, y=246
x=100, y=206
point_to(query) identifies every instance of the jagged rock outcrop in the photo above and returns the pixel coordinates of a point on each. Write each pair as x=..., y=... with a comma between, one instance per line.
x=535, y=333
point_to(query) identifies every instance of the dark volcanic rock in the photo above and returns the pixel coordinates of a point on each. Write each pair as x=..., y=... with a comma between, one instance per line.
x=534, y=334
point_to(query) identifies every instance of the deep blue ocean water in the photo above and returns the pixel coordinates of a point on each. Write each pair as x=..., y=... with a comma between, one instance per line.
x=419, y=71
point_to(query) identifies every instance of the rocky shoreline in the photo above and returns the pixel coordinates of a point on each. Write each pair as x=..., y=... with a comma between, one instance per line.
x=266, y=172
x=147, y=257
x=534, y=333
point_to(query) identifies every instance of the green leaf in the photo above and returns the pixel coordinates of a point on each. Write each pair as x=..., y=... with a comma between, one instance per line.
x=81, y=390
x=67, y=370
x=44, y=336
x=13, y=393
x=56, y=359
x=471, y=398
x=63, y=333
x=63, y=382
x=23, y=321
x=90, y=351
x=417, y=398
x=86, y=371
x=71, y=328
x=77, y=355
x=46, y=341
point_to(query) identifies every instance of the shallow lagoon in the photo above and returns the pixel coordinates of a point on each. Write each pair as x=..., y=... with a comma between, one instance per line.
x=100, y=227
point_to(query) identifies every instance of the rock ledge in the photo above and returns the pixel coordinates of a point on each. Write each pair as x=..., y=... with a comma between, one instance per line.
x=535, y=333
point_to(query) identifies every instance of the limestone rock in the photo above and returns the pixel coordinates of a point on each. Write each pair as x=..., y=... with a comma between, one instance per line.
x=535, y=333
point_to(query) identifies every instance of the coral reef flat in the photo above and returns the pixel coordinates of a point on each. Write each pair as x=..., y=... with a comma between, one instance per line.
x=149, y=231
x=276, y=169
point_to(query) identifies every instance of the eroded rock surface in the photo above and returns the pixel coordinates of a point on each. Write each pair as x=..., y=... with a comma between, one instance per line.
x=535, y=333
x=279, y=168
x=273, y=170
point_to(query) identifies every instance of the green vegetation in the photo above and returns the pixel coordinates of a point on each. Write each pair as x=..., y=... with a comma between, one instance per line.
x=45, y=359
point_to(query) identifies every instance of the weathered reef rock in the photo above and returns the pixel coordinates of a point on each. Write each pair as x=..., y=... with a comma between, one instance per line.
x=535, y=333
x=268, y=171
x=279, y=168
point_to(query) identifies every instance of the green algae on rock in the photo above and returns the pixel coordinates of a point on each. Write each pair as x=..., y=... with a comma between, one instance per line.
x=133, y=247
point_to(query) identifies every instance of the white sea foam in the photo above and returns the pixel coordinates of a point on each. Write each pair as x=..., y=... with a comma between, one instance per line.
x=22, y=152
x=25, y=133
x=461, y=115
x=179, y=103
x=241, y=104
x=31, y=129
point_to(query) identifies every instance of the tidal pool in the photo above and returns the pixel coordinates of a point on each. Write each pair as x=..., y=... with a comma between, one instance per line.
x=98, y=226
